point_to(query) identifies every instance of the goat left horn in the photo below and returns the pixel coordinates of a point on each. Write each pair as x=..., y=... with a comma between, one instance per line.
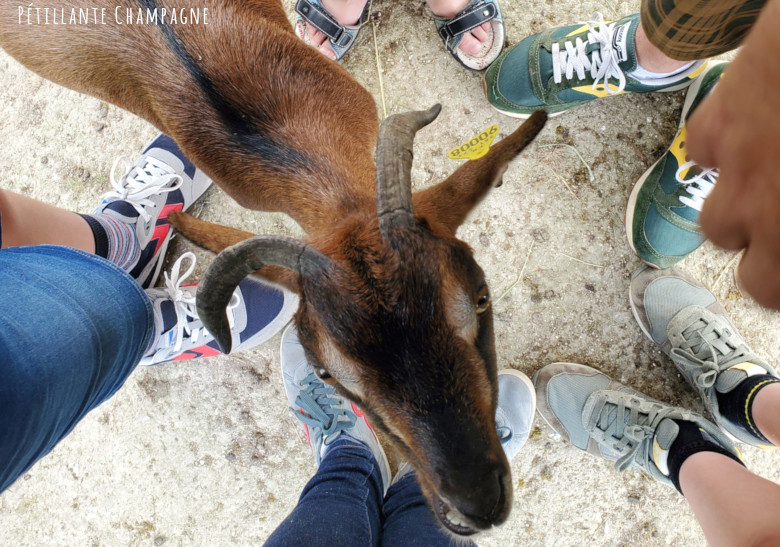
x=394, y=157
x=234, y=263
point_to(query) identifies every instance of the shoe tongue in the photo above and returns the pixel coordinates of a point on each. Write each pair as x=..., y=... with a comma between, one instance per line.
x=120, y=210
x=622, y=36
x=665, y=434
x=168, y=313
x=164, y=156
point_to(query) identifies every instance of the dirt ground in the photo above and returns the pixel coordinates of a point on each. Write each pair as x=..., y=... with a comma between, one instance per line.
x=207, y=453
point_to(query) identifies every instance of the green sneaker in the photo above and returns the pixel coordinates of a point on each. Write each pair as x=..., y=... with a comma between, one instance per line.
x=690, y=326
x=604, y=417
x=662, y=216
x=564, y=67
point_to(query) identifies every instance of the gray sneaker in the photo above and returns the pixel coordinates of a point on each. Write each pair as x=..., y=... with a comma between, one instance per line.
x=324, y=414
x=515, y=412
x=604, y=417
x=689, y=324
x=160, y=181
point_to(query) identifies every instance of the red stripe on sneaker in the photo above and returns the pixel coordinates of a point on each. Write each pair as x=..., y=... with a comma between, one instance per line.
x=359, y=413
x=197, y=353
x=161, y=230
x=169, y=208
x=305, y=429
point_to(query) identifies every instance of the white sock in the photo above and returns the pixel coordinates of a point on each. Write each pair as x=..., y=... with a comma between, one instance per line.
x=645, y=76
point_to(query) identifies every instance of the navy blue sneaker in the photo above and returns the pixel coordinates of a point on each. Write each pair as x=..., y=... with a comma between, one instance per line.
x=256, y=312
x=161, y=180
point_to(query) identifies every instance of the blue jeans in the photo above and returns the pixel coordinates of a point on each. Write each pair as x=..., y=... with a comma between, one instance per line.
x=73, y=326
x=343, y=505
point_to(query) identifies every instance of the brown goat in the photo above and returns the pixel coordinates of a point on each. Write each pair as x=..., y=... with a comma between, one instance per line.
x=394, y=312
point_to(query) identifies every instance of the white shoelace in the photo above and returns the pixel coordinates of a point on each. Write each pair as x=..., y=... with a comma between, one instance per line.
x=698, y=186
x=137, y=183
x=187, y=321
x=603, y=63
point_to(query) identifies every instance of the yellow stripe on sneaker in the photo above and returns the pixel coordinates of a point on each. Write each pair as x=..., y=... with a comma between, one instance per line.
x=599, y=91
x=583, y=28
x=677, y=149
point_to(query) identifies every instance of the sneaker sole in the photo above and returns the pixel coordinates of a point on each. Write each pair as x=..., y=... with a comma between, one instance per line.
x=693, y=90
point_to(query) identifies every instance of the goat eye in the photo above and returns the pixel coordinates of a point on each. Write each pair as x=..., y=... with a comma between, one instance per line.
x=483, y=302
x=323, y=374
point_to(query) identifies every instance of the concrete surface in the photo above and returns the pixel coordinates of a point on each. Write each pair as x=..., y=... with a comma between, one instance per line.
x=206, y=452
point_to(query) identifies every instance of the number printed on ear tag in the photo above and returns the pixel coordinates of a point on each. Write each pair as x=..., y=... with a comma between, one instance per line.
x=476, y=147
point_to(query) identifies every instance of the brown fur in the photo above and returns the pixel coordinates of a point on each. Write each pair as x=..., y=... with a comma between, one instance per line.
x=280, y=128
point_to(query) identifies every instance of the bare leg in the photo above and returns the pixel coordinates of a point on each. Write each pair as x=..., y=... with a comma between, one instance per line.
x=733, y=506
x=26, y=221
x=766, y=412
x=650, y=57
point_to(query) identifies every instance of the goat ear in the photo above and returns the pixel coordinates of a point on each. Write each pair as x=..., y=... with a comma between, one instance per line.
x=216, y=238
x=450, y=201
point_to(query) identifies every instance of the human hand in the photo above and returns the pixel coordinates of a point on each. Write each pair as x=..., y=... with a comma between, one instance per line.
x=737, y=129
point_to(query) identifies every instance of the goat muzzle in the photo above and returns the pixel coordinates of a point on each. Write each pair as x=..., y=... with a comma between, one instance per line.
x=394, y=156
x=235, y=263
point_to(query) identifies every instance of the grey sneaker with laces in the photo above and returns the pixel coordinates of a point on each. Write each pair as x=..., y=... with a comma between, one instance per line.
x=689, y=324
x=160, y=181
x=607, y=419
x=324, y=414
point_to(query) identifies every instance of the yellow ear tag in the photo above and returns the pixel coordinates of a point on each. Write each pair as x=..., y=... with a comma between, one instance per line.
x=476, y=147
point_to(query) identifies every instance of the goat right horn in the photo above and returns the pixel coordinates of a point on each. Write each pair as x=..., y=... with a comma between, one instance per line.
x=394, y=157
x=234, y=263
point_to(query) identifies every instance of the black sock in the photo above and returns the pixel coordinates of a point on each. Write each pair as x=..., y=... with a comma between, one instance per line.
x=690, y=440
x=737, y=405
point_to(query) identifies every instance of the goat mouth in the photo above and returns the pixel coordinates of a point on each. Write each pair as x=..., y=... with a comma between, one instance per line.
x=452, y=520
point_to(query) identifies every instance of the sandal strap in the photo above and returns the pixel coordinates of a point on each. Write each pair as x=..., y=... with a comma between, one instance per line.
x=323, y=21
x=468, y=19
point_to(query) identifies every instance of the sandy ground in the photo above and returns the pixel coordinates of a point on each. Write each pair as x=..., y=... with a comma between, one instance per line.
x=206, y=452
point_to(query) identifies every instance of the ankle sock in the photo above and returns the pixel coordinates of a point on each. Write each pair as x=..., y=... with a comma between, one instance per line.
x=114, y=240
x=690, y=440
x=647, y=77
x=737, y=405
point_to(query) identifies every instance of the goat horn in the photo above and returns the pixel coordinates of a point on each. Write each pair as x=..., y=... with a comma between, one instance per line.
x=394, y=167
x=234, y=263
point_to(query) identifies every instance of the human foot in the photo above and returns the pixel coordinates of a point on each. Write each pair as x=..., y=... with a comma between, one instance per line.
x=337, y=24
x=472, y=30
x=472, y=41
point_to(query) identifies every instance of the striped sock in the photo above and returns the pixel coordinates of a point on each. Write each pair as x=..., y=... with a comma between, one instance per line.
x=114, y=240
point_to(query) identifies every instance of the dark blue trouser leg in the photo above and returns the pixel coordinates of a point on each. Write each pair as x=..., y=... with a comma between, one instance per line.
x=73, y=327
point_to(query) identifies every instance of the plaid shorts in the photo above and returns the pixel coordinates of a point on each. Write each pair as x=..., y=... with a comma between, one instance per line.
x=695, y=29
